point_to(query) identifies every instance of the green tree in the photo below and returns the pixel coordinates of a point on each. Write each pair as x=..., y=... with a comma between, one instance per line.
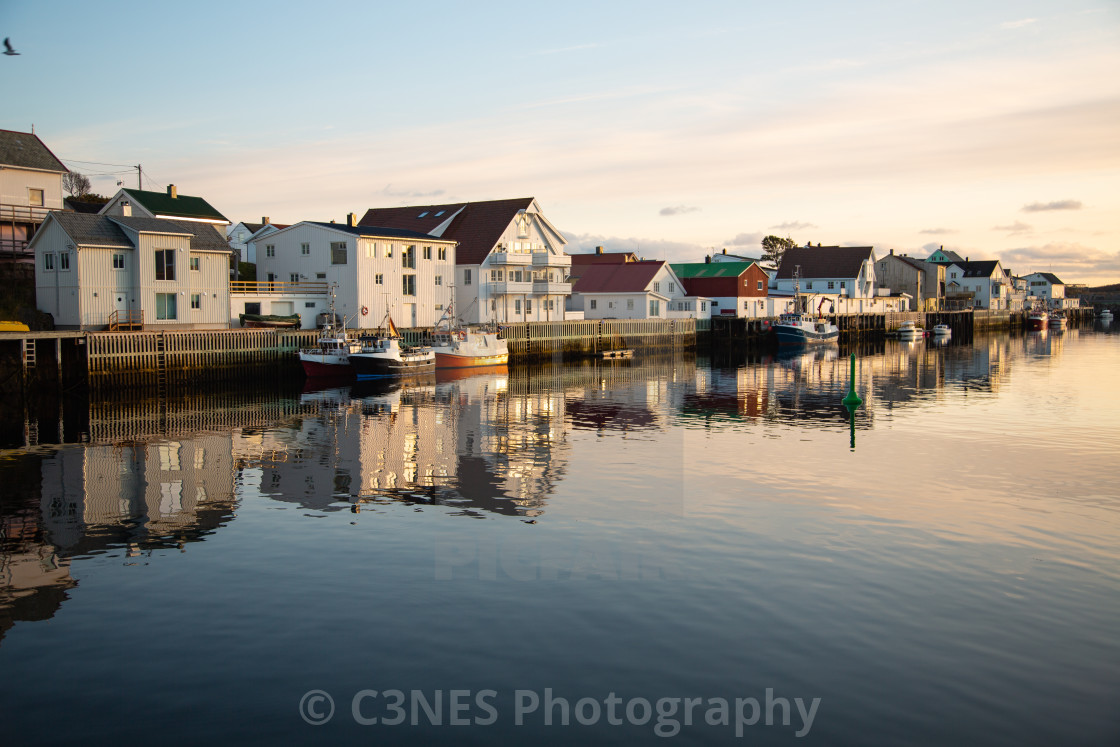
x=773, y=247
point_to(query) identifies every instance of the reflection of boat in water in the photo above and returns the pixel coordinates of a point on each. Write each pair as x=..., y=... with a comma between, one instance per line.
x=458, y=374
x=1105, y=315
x=799, y=327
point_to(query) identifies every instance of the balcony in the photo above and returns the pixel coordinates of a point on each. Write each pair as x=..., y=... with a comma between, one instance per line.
x=502, y=287
x=547, y=259
x=556, y=287
x=510, y=258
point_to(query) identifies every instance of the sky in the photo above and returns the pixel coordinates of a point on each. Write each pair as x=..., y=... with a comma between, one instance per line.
x=670, y=129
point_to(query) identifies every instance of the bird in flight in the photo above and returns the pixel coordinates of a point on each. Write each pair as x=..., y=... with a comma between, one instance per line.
x=8, y=47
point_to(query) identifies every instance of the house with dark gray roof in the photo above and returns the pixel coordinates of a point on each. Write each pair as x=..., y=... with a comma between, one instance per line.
x=1048, y=288
x=510, y=262
x=30, y=187
x=977, y=284
x=129, y=272
x=838, y=277
x=922, y=281
x=374, y=271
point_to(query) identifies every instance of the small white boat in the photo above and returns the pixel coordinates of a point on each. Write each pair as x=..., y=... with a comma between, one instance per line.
x=910, y=331
x=1057, y=321
x=1105, y=314
x=331, y=356
x=942, y=330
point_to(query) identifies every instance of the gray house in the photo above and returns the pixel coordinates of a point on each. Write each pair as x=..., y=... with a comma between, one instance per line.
x=923, y=281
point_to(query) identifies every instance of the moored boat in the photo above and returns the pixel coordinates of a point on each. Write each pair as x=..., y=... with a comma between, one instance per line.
x=942, y=330
x=331, y=356
x=459, y=346
x=1057, y=321
x=910, y=331
x=384, y=355
x=1037, y=319
x=798, y=327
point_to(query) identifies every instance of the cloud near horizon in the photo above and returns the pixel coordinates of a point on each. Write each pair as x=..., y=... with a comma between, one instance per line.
x=1018, y=24
x=679, y=210
x=1038, y=207
x=1072, y=262
x=793, y=225
x=1014, y=228
x=746, y=239
x=937, y=231
x=671, y=251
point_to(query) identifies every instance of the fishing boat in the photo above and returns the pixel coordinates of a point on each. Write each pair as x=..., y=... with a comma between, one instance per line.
x=1037, y=318
x=458, y=346
x=1057, y=321
x=384, y=355
x=331, y=355
x=798, y=326
x=910, y=331
x=942, y=330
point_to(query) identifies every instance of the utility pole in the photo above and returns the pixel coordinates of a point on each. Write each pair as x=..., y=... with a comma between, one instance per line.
x=139, y=178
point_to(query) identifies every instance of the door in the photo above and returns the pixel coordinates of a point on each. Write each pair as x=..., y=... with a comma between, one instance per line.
x=412, y=314
x=120, y=303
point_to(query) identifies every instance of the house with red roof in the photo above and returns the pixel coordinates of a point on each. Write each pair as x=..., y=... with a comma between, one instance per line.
x=634, y=290
x=243, y=236
x=510, y=264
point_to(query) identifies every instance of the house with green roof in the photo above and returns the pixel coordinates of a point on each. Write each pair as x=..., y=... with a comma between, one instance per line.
x=736, y=288
x=169, y=205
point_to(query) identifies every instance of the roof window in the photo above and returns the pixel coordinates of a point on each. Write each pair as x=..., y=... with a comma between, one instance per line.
x=422, y=214
x=441, y=212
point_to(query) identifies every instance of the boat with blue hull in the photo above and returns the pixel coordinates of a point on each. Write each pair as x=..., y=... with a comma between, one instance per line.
x=799, y=327
x=384, y=356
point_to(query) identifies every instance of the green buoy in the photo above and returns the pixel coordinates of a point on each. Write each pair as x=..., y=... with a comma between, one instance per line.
x=852, y=400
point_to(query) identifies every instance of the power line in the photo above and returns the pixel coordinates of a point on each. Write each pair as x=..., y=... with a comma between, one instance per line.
x=99, y=163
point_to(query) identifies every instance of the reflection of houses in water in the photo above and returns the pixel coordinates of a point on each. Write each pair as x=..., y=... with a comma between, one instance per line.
x=145, y=494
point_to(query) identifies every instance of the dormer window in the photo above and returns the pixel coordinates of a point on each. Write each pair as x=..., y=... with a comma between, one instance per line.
x=441, y=212
x=422, y=214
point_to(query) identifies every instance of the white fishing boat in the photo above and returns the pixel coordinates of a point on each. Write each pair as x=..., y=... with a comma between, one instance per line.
x=942, y=330
x=331, y=355
x=910, y=331
x=457, y=345
x=1057, y=321
x=798, y=326
x=384, y=355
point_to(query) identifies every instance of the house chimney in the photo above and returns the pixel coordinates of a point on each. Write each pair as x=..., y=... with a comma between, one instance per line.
x=350, y=219
x=892, y=252
x=126, y=209
x=172, y=191
x=707, y=260
x=266, y=220
x=598, y=250
x=725, y=250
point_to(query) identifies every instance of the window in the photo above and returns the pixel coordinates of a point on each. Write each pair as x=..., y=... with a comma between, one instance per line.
x=409, y=285
x=305, y=249
x=270, y=250
x=672, y=287
x=657, y=287
x=118, y=261
x=294, y=277
x=549, y=304
x=466, y=277
x=194, y=264
x=64, y=260
x=252, y=307
x=439, y=307
x=843, y=284
x=528, y=306
x=308, y=304
x=517, y=305
x=165, y=306
x=630, y=304
x=703, y=305
x=338, y=252
x=320, y=276
x=379, y=279
x=48, y=261
x=165, y=264
x=610, y=304
x=655, y=307
x=953, y=275
x=831, y=285
x=443, y=252
x=497, y=275
x=808, y=285
x=427, y=252
x=408, y=257
x=196, y=301
x=35, y=197
x=439, y=279
x=746, y=304
x=389, y=250
x=594, y=303
x=758, y=285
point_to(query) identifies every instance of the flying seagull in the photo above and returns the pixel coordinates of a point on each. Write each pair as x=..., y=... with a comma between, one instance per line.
x=8, y=47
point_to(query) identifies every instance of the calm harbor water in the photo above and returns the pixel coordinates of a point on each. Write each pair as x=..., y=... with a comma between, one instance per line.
x=624, y=547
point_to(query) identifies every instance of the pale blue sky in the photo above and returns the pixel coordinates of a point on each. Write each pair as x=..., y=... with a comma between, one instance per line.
x=988, y=127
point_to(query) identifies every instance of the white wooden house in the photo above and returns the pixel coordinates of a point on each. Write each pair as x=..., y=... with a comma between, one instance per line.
x=243, y=237
x=510, y=260
x=375, y=271
x=30, y=186
x=978, y=284
x=635, y=290
x=1052, y=291
x=841, y=278
x=93, y=269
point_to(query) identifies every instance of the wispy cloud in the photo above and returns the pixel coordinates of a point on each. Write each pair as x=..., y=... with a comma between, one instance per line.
x=1039, y=207
x=672, y=251
x=793, y=225
x=937, y=231
x=1018, y=24
x=746, y=239
x=679, y=210
x=1014, y=228
x=1071, y=261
